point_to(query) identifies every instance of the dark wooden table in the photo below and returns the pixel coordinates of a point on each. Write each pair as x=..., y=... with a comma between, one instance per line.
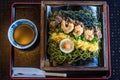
x=5, y=48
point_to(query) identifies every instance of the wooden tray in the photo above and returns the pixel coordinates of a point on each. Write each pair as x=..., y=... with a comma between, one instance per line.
x=35, y=57
x=29, y=57
x=104, y=54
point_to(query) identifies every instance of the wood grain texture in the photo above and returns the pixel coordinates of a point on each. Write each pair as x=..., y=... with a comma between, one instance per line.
x=104, y=60
x=30, y=57
x=5, y=45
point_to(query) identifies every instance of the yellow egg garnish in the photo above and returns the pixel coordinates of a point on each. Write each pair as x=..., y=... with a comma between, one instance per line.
x=58, y=37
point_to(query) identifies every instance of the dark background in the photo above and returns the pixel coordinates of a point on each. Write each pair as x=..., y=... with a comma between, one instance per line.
x=4, y=43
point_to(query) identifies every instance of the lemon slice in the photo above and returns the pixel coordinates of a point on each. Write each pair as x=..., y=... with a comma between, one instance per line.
x=66, y=45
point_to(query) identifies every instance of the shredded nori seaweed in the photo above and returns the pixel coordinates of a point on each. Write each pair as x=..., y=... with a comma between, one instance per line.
x=84, y=16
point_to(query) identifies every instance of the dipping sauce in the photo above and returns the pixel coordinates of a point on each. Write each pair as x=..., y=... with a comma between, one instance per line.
x=23, y=34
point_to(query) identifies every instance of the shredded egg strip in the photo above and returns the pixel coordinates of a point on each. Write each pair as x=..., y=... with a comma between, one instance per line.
x=93, y=47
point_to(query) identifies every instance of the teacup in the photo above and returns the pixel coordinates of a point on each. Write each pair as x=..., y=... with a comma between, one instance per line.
x=22, y=34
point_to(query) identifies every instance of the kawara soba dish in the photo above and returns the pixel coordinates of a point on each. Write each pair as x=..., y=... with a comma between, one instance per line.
x=73, y=36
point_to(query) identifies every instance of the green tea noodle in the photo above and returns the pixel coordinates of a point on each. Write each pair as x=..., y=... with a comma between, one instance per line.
x=60, y=57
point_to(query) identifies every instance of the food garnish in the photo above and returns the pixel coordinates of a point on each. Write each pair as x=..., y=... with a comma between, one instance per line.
x=74, y=36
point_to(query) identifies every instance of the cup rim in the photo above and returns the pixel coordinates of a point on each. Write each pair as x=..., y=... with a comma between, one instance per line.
x=12, y=28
